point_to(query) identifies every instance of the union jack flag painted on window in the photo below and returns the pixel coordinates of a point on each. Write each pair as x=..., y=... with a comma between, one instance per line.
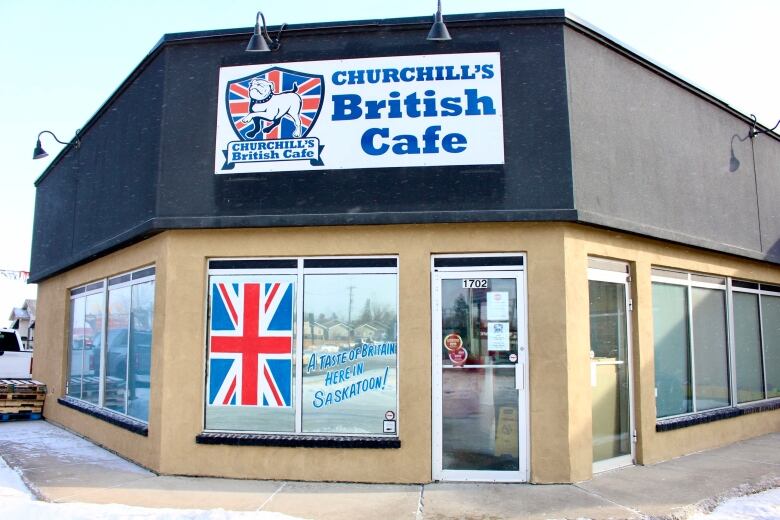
x=296, y=98
x=250, y=351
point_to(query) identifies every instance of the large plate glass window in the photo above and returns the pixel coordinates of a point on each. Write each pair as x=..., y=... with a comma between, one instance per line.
x=756, y=340
x=717, y=342
x=111, y=341
x=303, y=346
x=691, y=342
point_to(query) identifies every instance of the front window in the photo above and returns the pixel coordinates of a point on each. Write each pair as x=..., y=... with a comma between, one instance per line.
x=303, y=346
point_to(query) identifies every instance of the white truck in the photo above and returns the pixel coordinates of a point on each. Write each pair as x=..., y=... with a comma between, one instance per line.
x=15, y=358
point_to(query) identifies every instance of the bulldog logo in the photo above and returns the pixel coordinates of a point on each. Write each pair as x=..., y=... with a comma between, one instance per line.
x=274, y=104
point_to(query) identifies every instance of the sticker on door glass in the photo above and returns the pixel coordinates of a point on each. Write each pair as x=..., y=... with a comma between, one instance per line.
x=498, y=335
x=459, y=357
x=453, y=342
x=497, y=305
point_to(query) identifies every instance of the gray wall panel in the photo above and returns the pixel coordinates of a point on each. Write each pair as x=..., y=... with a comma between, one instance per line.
x=767, y=153
x=650, y=156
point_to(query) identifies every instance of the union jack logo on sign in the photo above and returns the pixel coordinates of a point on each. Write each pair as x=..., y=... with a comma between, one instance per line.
x=250, y=361
x=276, y=103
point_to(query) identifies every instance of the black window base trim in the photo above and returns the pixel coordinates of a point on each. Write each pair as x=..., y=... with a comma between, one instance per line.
x=297, y=441
x=117, y=419
x=665, y=425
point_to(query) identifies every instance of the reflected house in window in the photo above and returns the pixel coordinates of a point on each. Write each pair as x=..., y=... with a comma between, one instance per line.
x=335, y=329
x=314, y=330
x=371, y=331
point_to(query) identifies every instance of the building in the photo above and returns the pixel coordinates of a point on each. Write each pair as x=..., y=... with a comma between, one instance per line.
x=23, y=319
x=575, y=254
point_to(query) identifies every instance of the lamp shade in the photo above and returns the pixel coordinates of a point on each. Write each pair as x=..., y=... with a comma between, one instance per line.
x=39, y=152
x=438, y=32
x=257, y=43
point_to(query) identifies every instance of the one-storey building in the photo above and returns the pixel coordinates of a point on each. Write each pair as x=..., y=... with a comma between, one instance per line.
x=525, y=254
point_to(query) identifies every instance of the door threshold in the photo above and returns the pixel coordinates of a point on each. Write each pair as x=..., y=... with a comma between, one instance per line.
x=610, y=464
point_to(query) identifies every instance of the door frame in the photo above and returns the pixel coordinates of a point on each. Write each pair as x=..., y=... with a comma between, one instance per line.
x=521, y=368
x=623, y=277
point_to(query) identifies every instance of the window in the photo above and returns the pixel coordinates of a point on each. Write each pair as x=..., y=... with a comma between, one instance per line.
x=691, y=345
x=756, y=340
x=697, y=366
x=303, y=346
x=117, y=313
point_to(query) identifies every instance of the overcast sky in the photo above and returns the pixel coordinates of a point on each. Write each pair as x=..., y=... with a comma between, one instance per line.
x=63, y=59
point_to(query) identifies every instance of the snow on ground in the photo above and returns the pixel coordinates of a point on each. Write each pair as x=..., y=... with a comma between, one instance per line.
x=16, y=502
x=761, y=506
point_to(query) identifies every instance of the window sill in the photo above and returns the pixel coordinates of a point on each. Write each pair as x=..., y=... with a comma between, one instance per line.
x=297, y=441
x=117, y=419
x=665, y=425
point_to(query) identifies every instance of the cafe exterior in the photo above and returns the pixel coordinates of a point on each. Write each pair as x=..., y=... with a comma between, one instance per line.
x=525, y=254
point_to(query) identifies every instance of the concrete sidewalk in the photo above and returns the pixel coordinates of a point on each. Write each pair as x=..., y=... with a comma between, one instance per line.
x=62, y=467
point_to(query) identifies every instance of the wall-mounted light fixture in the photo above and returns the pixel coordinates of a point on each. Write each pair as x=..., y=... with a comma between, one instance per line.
x=40, y=153
x=261, y=41
x=438, y=30
x=753, y=132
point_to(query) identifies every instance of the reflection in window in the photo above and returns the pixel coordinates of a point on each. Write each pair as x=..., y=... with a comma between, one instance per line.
x=342, y=345
x=140, y=351
x=710, y=346
x=691, y=317
x=78, y=335
x=770, y=312
x=110, y=359
x=116, y=353
x=672, y=356
x=93, y=329
x=349, y=352
x=747, y=348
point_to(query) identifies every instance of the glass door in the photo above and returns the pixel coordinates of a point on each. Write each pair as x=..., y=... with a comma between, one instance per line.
x=480, y=359
x=610, y=369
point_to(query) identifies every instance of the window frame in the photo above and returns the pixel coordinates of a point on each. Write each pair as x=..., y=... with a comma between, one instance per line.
x=103, y=287
x=300, y=273
x=690, y=280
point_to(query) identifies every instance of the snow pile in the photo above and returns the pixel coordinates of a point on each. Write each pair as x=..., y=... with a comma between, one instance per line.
x=761, y=506
x=16, y=501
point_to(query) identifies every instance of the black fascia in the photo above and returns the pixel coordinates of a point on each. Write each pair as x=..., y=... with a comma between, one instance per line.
x=525, y=17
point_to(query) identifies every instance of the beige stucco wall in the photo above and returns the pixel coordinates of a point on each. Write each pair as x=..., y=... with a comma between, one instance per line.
x=643, y=254
x=184, y=362
x=558, y=327
x=51, y=355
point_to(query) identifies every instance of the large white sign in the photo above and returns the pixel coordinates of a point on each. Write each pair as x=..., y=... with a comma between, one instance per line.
x=442, y=109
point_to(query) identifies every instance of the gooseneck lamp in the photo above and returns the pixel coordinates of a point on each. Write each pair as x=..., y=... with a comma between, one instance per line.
x=438, y=30
x=754, y=132
x=260, y=40
x=40, y=153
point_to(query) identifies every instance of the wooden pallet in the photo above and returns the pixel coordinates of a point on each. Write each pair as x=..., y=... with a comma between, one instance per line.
x=16, y=403
x=21, y=395
x=21, y=399
x=22, y=386
x=19, y=416
x=20, y=409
